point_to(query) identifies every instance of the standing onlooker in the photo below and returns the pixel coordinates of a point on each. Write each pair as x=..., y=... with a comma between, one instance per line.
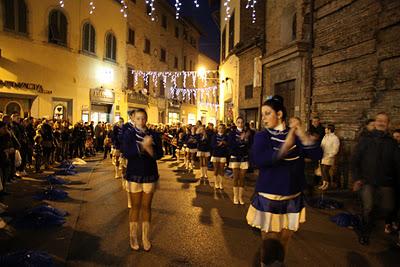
x=38, y=152
x=47, y=142
x=98, y=133
x=376, y=170
x=330, y=145
x=396, y=136
x=19, y=133
x=30, y=133
x=6, y=153
x=316, y=129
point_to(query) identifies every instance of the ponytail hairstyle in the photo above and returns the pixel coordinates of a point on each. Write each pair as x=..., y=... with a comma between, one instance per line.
x=276, y=103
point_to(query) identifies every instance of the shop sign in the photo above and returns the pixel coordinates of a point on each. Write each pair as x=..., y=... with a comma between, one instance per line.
x=100, y=95
x=174, y=104
x=138, y=98
x=23, y=85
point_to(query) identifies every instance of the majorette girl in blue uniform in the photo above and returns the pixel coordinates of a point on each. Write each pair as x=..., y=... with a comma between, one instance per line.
x=219, y=145
x=203, y=150
x=239, y=161
x=278, y=151
x=116, y=142
x=142, y=148
x=191, y=143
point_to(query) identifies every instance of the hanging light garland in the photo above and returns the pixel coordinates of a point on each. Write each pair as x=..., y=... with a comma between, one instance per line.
x=172, y=75
x=124, y=8
x=252, y=4
x=185, y=94
x=177, y=8
x=227, y=9
x=61, y=3
x=152, y=9
x=196, y=3
x=92, y=7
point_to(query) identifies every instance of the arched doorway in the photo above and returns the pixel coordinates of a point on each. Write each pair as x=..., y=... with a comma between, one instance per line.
x=13, y=107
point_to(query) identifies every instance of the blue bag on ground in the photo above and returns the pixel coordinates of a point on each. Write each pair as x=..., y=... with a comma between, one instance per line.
x=25, y=258
x=40, y=217
x=51, y=194
x=346, y=219
x=54, y=180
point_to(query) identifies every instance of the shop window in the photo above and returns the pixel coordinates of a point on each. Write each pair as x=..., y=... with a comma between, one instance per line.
x=15, y=16
x=58, y=26
x=248, y=91
x=163, y=55
x=146, y=46
x=89, y=38
x=131, y=36
x=111, y=47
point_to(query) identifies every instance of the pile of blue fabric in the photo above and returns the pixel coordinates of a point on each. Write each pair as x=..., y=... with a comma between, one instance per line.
x=40, y=217
x=66, y=164
x=346, y=219
x=66, y=172
x=54, y=180
x=51, y=194
x=324, y=203
x=25, y=258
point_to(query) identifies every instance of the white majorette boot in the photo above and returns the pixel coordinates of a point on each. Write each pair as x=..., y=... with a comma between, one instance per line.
x=221, y=178
x=145, y=236
x=129, y=201
x=241, y=189
x=117, y=175
x=216, y=183
x=192, y=165
x=235, y=195
x=186, y=162
x=205, y=172
x=133, y=228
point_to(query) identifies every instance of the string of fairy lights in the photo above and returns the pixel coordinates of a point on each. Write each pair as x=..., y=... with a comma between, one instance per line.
x=178, y=4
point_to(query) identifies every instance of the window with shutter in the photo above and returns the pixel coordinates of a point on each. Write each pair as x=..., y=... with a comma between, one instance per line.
x=111, y=47
x=248, y=91
x=130, y=80
x=146, y=46
x=15, y=16
x=163, y=55
x=57, y=28
x=131, y=36
x=89, y=38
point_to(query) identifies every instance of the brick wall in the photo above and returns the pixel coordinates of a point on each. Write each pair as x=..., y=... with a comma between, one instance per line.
x=356, y=62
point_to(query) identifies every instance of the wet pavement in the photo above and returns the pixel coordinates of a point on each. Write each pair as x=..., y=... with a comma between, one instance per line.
x=193, y=225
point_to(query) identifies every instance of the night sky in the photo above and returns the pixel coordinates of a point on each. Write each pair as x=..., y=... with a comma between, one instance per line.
x=209, y=43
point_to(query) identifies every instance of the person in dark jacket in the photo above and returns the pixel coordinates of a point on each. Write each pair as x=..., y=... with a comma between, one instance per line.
x=142, y=148
x=47, y=142
x=6, y=152
x=238, y=141
x=219, y=145
x=203, y=150
x=20, y=134
x=116, y=142
x=376, y=172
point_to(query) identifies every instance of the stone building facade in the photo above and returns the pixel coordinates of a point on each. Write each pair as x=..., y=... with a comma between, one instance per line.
x=62, y=62
x=286, y=58
x=160, y=43
x=356, y=67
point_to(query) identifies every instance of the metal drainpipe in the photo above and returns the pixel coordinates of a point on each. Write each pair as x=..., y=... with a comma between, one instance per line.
x=310, y=62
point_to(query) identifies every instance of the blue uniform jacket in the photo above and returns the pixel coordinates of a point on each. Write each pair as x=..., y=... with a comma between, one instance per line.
x=283, y=176
x=142, y=168
x=222, y=150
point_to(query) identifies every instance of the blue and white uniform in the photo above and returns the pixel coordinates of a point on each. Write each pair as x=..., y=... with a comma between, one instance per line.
x=203, y=146
x=219, y=152
x=239, y=150
x=141, y=172
x=191, y=143
x=278, y=202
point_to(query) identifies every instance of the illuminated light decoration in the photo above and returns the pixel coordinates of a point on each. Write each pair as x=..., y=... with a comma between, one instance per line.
x=173, y=76
x=92, y=7
x=227, y=9
x=61, y=3
x=124, y=8
x=177, y=8
x=252, y=4
x=152, y=9
x=196, y=3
